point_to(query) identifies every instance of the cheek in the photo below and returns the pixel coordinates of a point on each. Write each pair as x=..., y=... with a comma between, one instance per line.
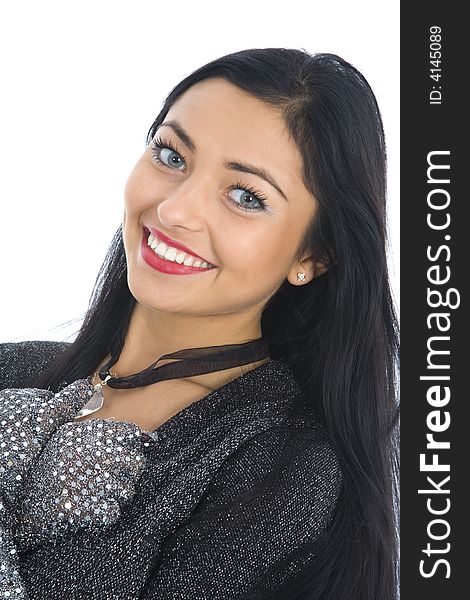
x=134, y=206
x=130, y=192
x=281, y=248
x=136, y=189
x=259, y=255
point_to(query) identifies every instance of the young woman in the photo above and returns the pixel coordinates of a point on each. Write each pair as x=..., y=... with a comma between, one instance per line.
x=223, y=426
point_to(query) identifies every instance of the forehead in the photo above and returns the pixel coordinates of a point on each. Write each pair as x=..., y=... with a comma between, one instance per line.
x=221, y=117
x=215, y=97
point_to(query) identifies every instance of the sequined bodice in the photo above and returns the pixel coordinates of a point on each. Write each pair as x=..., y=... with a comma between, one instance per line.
x=100, y=509
x=73, y=477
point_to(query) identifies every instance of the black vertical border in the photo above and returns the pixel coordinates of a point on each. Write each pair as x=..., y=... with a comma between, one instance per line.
x=426, y=128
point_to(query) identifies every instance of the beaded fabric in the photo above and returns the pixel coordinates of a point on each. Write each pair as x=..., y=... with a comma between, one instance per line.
x=100, y=510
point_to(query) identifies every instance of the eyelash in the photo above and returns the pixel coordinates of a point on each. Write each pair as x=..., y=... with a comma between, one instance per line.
x=158, y=144
x=260, y=198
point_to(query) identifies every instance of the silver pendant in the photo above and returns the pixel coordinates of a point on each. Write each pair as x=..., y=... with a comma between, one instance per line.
x=95, y=402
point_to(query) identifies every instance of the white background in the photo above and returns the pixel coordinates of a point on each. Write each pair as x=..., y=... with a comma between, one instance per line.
x=81, y=84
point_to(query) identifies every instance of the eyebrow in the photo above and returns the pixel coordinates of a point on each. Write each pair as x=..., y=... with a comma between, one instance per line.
x=233, y=165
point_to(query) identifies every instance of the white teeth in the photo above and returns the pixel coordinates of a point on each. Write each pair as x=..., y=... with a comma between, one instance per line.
x=160, y=248
x=170, y=254
x=173, y=255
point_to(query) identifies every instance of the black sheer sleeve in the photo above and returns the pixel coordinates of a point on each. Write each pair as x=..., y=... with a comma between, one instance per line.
x=220, y=556
x=21, y=363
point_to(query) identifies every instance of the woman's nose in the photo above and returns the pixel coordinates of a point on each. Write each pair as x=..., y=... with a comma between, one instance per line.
x=186, y=204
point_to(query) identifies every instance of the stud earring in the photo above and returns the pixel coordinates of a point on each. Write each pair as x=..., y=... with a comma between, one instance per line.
x=300, y=276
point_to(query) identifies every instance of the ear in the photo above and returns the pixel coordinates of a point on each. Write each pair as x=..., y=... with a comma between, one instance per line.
x=304, y=271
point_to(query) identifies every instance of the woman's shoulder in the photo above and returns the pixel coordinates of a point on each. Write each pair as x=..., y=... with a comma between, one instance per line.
x=22, y=362
x=298, y=457
x=265, y=520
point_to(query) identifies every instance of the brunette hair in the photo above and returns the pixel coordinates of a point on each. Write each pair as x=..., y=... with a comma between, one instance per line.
x=339, y=333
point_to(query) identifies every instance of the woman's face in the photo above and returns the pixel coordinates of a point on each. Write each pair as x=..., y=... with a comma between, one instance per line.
x=224, y=180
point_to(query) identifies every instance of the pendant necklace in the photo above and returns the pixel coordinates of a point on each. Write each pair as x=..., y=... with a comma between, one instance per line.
x=193, y=361
x=96, y=401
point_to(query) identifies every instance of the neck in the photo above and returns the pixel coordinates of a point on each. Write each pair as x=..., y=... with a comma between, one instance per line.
x=152, y=334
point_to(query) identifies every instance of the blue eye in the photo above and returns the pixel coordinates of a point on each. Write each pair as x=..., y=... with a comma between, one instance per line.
x=247, y=199
x=242, y=196
x=171, y=158
x=166, y=155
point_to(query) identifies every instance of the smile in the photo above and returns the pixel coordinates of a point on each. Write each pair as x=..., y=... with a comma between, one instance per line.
x=174, y=255
x=168, y=259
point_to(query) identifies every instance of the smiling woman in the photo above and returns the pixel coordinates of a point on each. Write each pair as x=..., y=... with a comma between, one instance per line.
x=258, y=459
x=185, y=191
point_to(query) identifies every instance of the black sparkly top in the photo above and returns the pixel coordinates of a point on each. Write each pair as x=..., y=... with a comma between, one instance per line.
x=100, y=510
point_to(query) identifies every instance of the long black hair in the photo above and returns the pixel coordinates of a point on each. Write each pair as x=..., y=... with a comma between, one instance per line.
x=339, y=332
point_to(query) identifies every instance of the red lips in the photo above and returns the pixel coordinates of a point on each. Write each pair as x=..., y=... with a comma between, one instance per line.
x=164, y=238
x=166, y=266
